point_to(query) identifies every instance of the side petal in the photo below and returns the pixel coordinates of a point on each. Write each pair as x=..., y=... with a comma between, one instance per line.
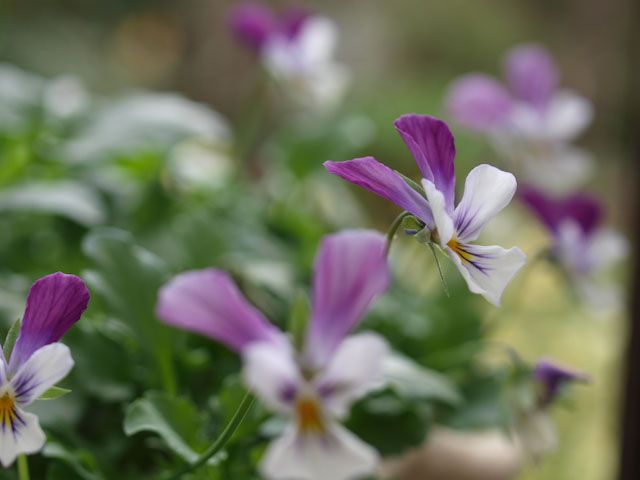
x=22, y=436
x=252, y=23
x=546, y=208
x=441, y=219
x=432, y=145
x=46, y=367
x=54, y=304
x=487, y=191
x=355, y=370
x=567, y=116
x=487, y=270
x=532, y=74
x=336, y=455
x=271, y=373
x=351, y=270
x=478, y=102
x=372, y=175
x=209, y=302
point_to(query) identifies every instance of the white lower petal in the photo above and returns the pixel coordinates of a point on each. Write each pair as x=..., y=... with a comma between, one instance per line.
x=487, y=190
x=437, y=203
x=337, y=455
x=46, y=367
x=487, y=270
x=271, y=373
x=606, y=248
x=567, y=116
x=23, y=436
x=355, y=370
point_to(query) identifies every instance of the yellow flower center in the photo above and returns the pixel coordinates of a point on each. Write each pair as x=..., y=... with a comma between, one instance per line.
x=459, y=249
x=7, y=410
x=309, y=416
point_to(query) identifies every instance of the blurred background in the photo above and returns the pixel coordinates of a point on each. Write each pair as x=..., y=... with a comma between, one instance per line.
x=402, y=56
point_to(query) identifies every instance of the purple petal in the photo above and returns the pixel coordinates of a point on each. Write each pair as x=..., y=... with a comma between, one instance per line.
x=372, y=175
x=532, y=74
x=54, y=304
x=553, y=377
x=582, y=208
x=293, y=20
x=350, y=272
x=209, y=302
x=431, y=144
x=252, y=23
x=478, y=102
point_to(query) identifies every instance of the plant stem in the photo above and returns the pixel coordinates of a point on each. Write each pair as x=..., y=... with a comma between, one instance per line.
x=439, y=267
x=393, y=229
x=222, y=440
x=23, y=467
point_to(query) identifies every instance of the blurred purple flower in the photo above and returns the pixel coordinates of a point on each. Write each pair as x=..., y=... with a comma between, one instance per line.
x=529, y=120
x=37, y=361
x=317, y=385
x=487, y=270
x=580, y=244
x=553, y=379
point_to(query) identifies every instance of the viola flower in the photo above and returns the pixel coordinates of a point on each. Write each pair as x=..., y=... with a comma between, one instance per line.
x=315, y=386
x=530, y=120
x=580, y=245
x=296, y=48
x=553, y=378
x=486, y=269
x=38, y=361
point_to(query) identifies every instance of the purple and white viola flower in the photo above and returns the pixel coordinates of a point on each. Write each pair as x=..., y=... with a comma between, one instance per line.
x=38, y=361
x=580, y=244
x=529, y=120
x=553, y=378
x=486, y=269
x=315, y=386
x=297, y=49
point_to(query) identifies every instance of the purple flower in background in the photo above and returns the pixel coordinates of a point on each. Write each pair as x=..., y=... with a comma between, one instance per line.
x=487, y=270
x=529, y=120
x=296, y=48
x=579, y=242
x=316, y=386
x=37, y=361
x=553, y=378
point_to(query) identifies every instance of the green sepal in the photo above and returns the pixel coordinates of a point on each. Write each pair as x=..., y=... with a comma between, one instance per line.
x=53, y=393
x=10, y=339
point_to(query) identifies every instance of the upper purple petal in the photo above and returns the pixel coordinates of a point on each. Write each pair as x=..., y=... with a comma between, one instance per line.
x=532, y=74
x=350, y=272
x=292, y=21
x=372, y=175
x=209, y=302
x=478, y=102
x=55, y=302
x=582, y=208
x=553, y=377
x=431, y=144
x=252, y=23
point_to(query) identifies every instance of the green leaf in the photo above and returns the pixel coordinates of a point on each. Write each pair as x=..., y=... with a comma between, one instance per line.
x=10, y=339
x=175, y=420
x=53, y=393
x=81, y=462
x=299, y=319
x=410, y=380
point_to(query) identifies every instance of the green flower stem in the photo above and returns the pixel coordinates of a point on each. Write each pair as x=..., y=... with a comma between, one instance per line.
x=23, y=467
x=222, y=440
x=393, y=229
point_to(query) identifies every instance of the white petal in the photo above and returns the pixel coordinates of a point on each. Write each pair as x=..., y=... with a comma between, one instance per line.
x=355, y=370
x=26, y=437
x=607, y=247
x=339, y=455
x=46, y=367
x=558, y=168
x=442, y=220
x=567, y=116
x=487, y=270
x=317, y=40
x=487, y=191
x=271, y=373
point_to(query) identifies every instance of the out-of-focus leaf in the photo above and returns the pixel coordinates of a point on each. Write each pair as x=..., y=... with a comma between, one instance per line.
x=81, y=462
x=65, y=198
x=411, y=380
x=10, y=339
x=175, y=420
x=53, y=393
